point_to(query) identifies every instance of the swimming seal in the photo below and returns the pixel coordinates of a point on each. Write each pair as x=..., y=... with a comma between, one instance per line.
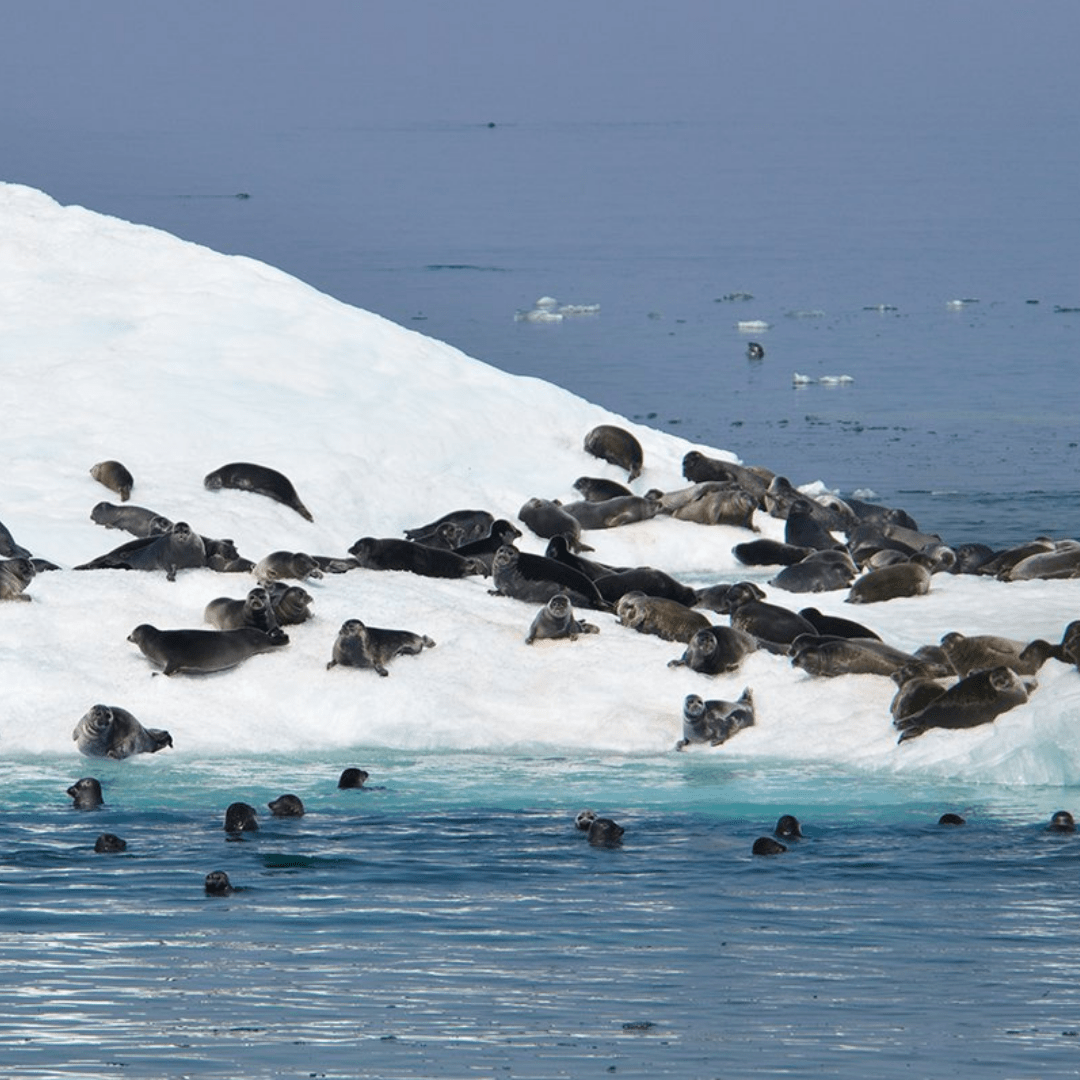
x=136, y=520
x=286, y=806
x=390, y=553
x=179, y=548
x=15, y=576
x=716, y=649
x=115, y=477
x=788, y=827
x=667, y=619
x=217, y=883
x=203, y=651
x=86, y=793
x=951, y=819
x=766, y=845
x=603, y=832
x=279, y=565
x=536, y=579
x=109, y=842
x=260, y=480
x=616, y=446
x=109, y=731
x=977, y=699
x=363, y=646
x=255, y=610
x=584, y=819
x=714, y=722
x=556, y=620
x=1062, y=821
x=755, y=350
x=241, y=817
x=352, y=778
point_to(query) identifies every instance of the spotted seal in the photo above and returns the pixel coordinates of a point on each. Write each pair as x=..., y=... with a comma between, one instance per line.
x=86, y=793
x=667, y=619
x=203, y=651
x=260, y=480
x=616, y=446
x=715, y=650
x=716, y=721
x=363, y=646
x=115, y=477
x=15, y=576
x=279, y=565
x=109, y=731
x=255, y=610
x=556, y=620
x=373, y=553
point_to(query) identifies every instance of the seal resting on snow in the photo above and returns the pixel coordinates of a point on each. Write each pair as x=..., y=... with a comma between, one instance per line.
x=115, y=477
x=714, y=722
x=244, y=476
x=616, y=446
x=109, y=731
x=203, y=651
x=363, y=646
x=556, y=620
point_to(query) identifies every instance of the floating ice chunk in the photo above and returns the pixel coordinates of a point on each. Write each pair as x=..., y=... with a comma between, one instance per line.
x=824, y=380
x=801, y=380
x=807, y=313
x=748, y=325
x=546, y=302
x=957, y=304
x=538, y=315
x=579, y=309
x=880, y=307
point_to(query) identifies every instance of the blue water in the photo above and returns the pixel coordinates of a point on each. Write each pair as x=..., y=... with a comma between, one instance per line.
x=454, y=923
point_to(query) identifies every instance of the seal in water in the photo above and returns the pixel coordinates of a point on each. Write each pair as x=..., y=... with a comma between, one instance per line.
x=603, y=832
x=352, y=778
x=390, y=553
x=279, y=565
x=788, y=827
x=766, y=845
x=951, y=819
x=217, y=884
x=86, y=793
x=256, y=611
x=1062, y=821
x=115, y=477
x=556, y=620
x=617, y=447
x=244, y=476
x=667, y=619
x=755, y=350
x=976, y=699
x=15, y=575
x=716, y=649
x=203, y=651
x=584, y=819
x=714, y=722
x=363, y=646
x=109, y=731
x=108, y=842
x=287, y=806
x=241, y=817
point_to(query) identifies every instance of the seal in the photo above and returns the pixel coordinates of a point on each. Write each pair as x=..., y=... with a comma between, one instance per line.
x=698, y=469
x=393, y=554
x=755, y=350
x=976, y=699
x=86, y=793
x=830, y=657
x=951, y=819
x=914, y=690
x=614, y=512
x=911, y=578
x=559, y=550
x=109, y=842
x=1062, y=821
x=179, y=548
x=352, y=778
x=766, y=845
x=775, y=627
x=667, y=619
x=803, y=529
x=715, y=650
x=788, y=827
x=203, y=651
x=115, y=477
x=821, y=571
x=644, y=579
x=769, y=553
x=260, y=480
x=287, y=806
x=447, y=536
x=15, y=576
x=603, y=832
x=536, y=579
x=109, y=731
x=556, y=620
x=256, y=611
x=241, y=817
x=835, y=626
x=982, y=651
x=584, y=819
x=474, y=525
x=546, y=518
x=715, y=597
x=291, y=603
x=597, y=489
x=8, y=548
x=217, y=883
x=136, y=520
x=616, y=446
x=714, y=722
x=712, y=503
x=501, y=532
x=363, y=646
x=279, y=565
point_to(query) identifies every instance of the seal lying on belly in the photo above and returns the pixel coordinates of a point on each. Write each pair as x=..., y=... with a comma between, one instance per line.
x=256, y=610
x=179, y=548
x=716, y=649
x=203, y=651
x=556, y=620
x=115, y=477
x=536, y=579
x=244, y=476
x=373, y=553
x=363, y=646
x=616, y=446
x=109, y=731
x=136, y=520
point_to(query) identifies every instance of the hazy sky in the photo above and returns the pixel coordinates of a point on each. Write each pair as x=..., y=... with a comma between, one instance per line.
x=143, y=63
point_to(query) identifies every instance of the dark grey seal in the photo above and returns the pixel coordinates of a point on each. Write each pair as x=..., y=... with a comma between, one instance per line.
x=835, y=626
x=769, y=553
x=109, y=731
x=203, y=651
x=716, y=649
x=244, y=476
x=603, y=832
x=1062, y=821
x=644, y=579
x=556, y=620
x=547, y=518
x=291, y=603
x=279, y=565
x=8, y=548
x=830, y=657
x=390, y=553
x=774, y=626
x=766, y=845
x=217, y=883
x=109, y=842
x=115, y=477
x=136, y=520
x=788, y=827
x=255, y=610
x=616, y=446
x=241, y=817
x=536, y=579
x=911, y=578
x=352, y=778
x=982, y=651
x=287, y=806
x=363, y=646
x=15, y=576
x=180, y=548
x=822, y=571
x=614, y=512
x=474, y=524
x=86, y=793
x=667, y=619
x=716, y=721
x=598, y=489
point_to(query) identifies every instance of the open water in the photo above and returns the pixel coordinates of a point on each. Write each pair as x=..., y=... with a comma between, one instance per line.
x=452, y=923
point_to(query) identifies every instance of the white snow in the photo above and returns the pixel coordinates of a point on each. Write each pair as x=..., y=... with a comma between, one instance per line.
x=120, y=341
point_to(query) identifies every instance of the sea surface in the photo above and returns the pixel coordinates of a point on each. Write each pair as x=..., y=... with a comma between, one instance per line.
x=451, y=922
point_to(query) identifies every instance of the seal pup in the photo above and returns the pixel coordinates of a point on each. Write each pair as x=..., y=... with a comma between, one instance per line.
x=766, y=845
x=603, y=832
x=616, y=446
x=286, y=806
x=86, y=793
x=15, y=576
x=474, y=525
x=260, y=480
x=788, y=827
x=597, y=489
x=373, y=553
x=279, y=565
x=546, y=518
x=241, y=817
x=115, y=477
x=291, y=603
x=203, y=651
x=716, y=649
x=180, y=548
x=667, y=619
x=217, y=883
x=109, y=842
x=109, y=731
x=536, y=579
x=136, y=520
x=556, y=620
x=714, y=722
x=255, y=610
x=911, y=578
x=352, y=778
x=977, y=699
x=363, y=646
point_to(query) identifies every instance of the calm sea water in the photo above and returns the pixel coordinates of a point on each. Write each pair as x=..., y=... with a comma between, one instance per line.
x=453, y=923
